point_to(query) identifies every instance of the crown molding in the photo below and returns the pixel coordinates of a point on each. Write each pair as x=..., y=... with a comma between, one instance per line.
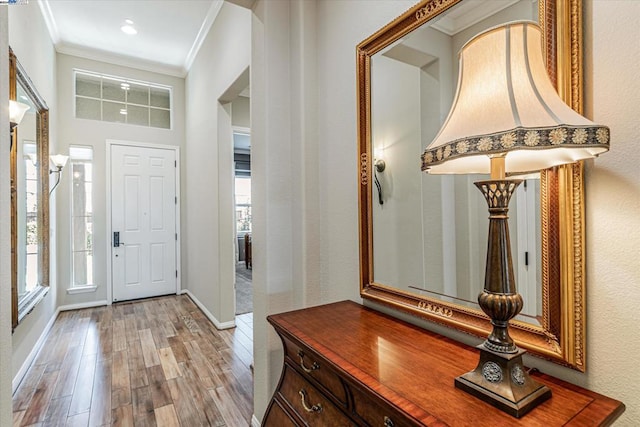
x=121, y=60
x=45, y=9
x=126, y=61
x=212, y=14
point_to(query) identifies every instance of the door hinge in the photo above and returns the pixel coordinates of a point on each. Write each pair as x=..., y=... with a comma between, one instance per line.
x=176, y=236
x=175, y=163
x=526, y=258
x=176, y=200
x=176, y=274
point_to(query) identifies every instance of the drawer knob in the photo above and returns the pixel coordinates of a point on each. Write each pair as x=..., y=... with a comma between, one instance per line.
x=388, y=422
x=304, y=368
x=312, y=408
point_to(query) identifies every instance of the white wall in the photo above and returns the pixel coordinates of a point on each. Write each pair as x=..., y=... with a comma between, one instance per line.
x=208, y=220
x=37, y=56
x=396, y=110
x=94, y=133
x=287, y=177
x=612, y=91
x=240, y=115
x=6, y=373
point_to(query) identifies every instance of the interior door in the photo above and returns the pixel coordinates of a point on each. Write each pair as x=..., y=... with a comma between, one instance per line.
x=143, y=222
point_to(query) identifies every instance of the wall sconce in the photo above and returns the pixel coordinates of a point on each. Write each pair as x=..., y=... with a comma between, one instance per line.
x=58, y=161
x=380, y=166
x=16, y=113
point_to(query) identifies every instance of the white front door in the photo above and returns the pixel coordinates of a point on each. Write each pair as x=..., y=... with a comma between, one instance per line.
x=143, y=222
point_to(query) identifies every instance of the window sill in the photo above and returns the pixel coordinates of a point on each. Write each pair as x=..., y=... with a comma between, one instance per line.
x=81, y=289
x=27, y=304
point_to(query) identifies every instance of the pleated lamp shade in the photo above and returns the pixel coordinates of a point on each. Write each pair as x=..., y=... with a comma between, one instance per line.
x=505, y=103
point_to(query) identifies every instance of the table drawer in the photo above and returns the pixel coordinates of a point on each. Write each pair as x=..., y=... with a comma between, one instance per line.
x=308, y=402
x=376, y=413
x=312, y=367
x=277, y=417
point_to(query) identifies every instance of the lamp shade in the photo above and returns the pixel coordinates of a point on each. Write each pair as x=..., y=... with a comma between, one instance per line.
x=505, y=103
x=59, y=160
x=17, y=111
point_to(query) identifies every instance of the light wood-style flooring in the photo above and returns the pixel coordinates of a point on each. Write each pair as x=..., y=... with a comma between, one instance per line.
x=145, y=363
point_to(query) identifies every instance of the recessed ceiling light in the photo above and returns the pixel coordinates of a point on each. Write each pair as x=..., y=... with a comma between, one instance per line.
x=124, y=86
x=128, y=28
x=123, y=111
x=128, y=21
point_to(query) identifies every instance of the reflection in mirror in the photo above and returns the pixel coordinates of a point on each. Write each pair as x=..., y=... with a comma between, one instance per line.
x=29, y=196
x=27, y=199
x=401, y=255
x=430, y=234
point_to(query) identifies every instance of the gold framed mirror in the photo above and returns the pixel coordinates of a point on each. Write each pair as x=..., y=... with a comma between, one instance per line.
x=29, y=196
x=554, y=329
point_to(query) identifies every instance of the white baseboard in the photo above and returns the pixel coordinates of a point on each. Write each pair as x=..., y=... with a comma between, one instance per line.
x=34, y=352
x=254, y=421
x=82, y=305
x=216, y=322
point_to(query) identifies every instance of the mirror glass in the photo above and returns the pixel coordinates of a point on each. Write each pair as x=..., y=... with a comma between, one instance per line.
x=430, y=231
x=423, y=237
x=29, y=196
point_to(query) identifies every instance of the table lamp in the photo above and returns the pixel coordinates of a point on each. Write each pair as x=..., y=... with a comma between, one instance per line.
x=506, y=118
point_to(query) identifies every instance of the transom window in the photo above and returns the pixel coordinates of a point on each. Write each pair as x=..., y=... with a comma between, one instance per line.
x=120, y=100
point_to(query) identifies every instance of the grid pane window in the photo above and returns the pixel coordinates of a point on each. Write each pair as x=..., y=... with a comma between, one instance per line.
x=113, y=99
x=81, y=162
x=138, y=94
x=88, y=85
x=112, y=90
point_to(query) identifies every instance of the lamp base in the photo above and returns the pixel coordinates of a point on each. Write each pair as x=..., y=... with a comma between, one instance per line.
x=501, y=380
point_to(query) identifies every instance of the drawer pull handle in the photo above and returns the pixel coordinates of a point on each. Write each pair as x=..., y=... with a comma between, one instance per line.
x=388, y=422
x=313, y=408
x=307, y=370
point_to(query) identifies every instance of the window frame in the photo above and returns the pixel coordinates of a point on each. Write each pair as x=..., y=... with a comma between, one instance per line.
x=122, y=80
x=87, y=287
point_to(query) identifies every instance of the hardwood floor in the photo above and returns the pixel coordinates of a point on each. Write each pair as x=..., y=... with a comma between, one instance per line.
x=156, y=362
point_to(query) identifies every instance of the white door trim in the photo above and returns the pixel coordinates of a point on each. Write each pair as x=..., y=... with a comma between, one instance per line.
x=109, y=144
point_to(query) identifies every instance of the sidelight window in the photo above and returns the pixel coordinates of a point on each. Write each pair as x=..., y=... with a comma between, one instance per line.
x=81, y=162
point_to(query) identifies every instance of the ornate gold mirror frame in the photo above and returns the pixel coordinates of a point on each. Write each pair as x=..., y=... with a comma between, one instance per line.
x=19, y=308
x=561, y=336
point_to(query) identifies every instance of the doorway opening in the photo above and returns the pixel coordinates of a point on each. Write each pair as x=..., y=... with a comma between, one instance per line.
x=234, y=157
x=242, y=203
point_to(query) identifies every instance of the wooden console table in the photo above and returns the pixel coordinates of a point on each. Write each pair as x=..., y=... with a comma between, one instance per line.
x=348, y=365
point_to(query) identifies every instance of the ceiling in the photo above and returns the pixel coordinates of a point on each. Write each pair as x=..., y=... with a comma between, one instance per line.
x=470, y=12
x=170, y=32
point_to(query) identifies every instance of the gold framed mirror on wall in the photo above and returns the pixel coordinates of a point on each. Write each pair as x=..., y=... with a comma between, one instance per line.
x=422, y=252
x=29, y=195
